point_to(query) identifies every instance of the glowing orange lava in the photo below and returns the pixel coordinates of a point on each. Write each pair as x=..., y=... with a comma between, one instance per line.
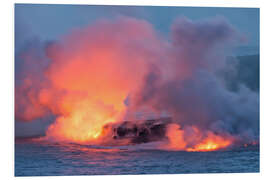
x=195, y=141
x=211, y=143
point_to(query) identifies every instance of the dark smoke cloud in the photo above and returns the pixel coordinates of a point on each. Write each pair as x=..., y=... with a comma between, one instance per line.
x=30, y=65
x=196, y=94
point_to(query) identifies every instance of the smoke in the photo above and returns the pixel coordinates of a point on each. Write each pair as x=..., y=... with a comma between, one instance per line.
x=107, y=71
x=195, y=94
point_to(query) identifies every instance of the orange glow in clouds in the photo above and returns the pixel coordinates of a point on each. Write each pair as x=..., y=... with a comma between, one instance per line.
x=93, y=71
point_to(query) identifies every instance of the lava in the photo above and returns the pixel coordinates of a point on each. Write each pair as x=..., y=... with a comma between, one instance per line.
x=211, y=143
x=100, y=74
x=179, y=139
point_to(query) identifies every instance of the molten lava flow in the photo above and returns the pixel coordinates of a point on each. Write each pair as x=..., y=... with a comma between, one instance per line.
x=194, y=141
x=211, y=142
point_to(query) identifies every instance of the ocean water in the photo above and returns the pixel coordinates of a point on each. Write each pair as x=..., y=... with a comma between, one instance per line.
x=34, y=158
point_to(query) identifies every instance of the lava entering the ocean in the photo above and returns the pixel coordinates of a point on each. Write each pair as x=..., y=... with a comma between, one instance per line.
x=96, y=81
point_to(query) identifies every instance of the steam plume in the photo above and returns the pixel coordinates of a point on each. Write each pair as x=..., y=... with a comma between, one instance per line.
x=102, y=73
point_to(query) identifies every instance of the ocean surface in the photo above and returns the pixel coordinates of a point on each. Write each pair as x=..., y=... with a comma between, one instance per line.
x=34, y=158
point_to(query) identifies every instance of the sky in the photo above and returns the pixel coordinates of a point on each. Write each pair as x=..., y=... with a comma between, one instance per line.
x=48, y=22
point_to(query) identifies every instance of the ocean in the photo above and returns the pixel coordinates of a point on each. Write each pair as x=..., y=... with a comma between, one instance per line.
x=35, y=158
